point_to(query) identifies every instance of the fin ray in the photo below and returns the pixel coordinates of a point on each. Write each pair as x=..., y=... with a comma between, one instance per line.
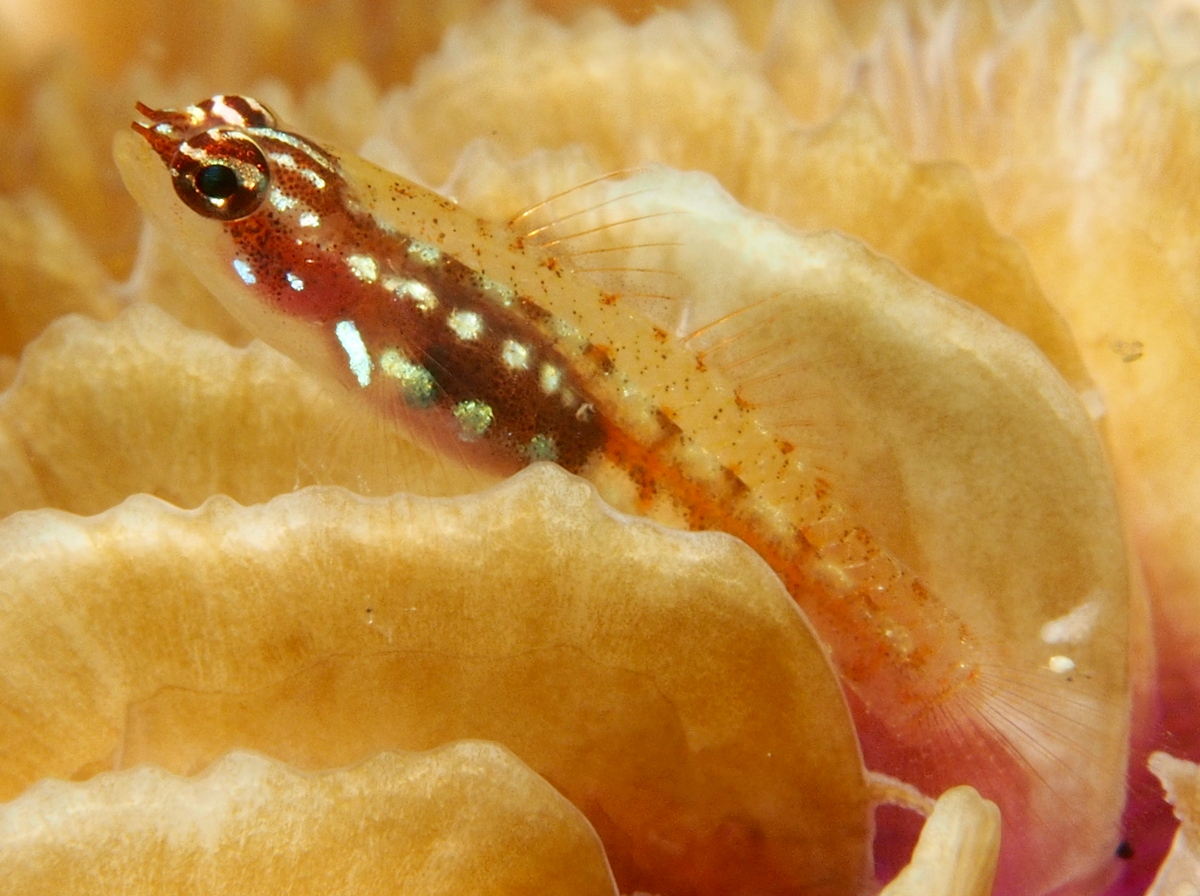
x=588, y=228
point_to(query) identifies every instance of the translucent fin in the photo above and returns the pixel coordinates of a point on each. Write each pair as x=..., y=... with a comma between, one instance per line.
x=761, y=361
x=363, y=449
x=609, y=229
x=1039, y=745
x=774, y=373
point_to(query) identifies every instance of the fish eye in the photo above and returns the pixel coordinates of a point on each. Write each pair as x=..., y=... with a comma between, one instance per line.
x=221, y=174
x=217, y=181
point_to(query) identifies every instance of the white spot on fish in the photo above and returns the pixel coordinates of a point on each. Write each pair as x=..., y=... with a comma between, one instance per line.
x=549, y=378
x=515, y=354
x=413, y=290
x=467, y=325
x=424, y=252
x=364, y=267
x=417, y=384
x=474, y=418
x=282, y=200
x=356, y=351
x=309, y=219
x=294, y=282
x=244, y=271
x=225, y=112
x=501, y=292
x=193, y=152
x=313, y=178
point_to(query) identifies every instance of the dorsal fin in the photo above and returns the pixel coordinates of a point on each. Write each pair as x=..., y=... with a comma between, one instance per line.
x=604, y=229
x=777, y=374
x=759, y=359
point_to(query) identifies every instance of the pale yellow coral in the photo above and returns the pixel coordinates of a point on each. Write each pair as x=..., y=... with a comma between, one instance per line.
x=467, y=817
x=957, y=850
x=683, y=705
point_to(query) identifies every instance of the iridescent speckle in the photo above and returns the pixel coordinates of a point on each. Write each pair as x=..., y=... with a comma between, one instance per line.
x=244, y=271
x=515, y=354
x=312, y=153
x=474, y=418
x=412, y=290
x=356, y=351
x=549, y=378
x=294, y=282
x=417, y=384
x=313, y=178
x=424, y=252
x=364, y=267
x=494, y=289
x=467, y=325
x=541, y=447
x=282, y=200
x=309, y=219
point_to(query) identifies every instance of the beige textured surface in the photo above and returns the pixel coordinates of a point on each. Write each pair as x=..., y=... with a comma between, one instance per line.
x=465, y=818
x=957, y=852
x=1180, y=873
x=663, y=682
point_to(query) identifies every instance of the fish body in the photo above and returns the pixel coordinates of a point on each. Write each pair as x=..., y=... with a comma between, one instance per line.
x=480, y=342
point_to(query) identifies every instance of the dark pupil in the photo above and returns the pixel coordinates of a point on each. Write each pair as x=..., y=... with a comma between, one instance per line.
x=217, y=181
